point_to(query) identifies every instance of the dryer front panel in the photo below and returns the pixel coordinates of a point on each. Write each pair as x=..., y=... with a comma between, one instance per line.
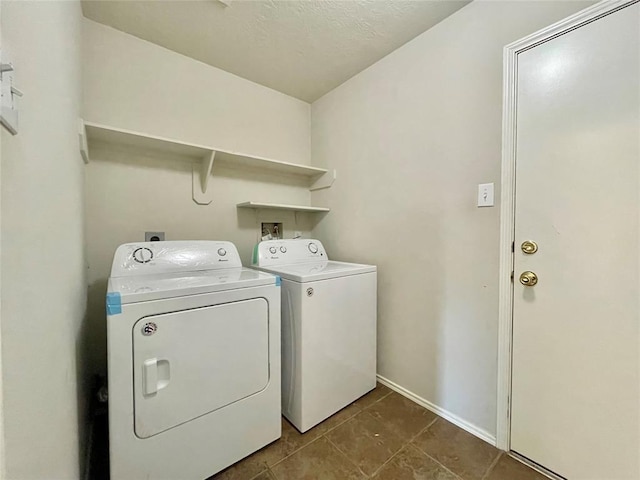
x=189, y=363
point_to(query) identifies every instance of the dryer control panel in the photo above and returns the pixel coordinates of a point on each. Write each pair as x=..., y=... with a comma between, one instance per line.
x=145, y=258
x=284, y=252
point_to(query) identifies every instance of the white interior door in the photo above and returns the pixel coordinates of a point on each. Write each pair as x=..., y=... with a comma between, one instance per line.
x=575, y=371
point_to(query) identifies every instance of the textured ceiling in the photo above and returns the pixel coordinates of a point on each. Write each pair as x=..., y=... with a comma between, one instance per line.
x=303, y=48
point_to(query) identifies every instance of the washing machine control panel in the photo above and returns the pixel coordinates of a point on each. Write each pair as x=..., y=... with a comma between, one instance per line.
x=283, y=252
x=145, y=258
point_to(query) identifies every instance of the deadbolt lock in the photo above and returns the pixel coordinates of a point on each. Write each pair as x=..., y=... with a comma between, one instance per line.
x=528, y=279
x=529, y=247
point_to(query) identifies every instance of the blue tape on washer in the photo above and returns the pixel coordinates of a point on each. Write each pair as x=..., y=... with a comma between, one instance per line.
x=114, y=303
x=278, y=281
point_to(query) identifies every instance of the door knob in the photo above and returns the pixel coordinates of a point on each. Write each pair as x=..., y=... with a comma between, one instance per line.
x=529, y=247
x=528, y=279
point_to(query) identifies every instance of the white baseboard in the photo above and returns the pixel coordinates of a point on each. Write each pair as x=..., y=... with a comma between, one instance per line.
x=469, y=427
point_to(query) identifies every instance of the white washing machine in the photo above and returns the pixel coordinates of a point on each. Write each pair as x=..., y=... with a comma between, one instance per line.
x=193, y=357
x=328, y=328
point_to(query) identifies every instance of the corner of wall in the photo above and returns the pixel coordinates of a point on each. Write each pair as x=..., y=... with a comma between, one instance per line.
x=44, y=41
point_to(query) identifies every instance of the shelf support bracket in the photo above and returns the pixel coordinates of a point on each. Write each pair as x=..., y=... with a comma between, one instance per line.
x=200, y=177
x=324, y=181
x=82, y=140
x=8, y=98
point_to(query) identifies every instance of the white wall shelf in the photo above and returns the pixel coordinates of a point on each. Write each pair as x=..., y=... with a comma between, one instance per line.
x=203, y=158
x=239, y=160
x=280, y=206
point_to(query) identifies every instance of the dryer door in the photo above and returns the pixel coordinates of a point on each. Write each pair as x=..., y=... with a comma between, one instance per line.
x=190, y=363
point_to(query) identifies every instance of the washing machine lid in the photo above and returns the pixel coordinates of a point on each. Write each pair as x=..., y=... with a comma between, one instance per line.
x=302, y=260
x=143, y=288
x=312, y=272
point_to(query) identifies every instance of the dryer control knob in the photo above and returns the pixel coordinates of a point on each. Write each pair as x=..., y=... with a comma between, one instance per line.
x=273, y=249
x=283, y=249
x=222, y=252
x=142, y=255
x=313, y=248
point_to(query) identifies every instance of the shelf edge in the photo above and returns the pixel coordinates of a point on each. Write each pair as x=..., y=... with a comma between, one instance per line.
x=280, y=206
x=306, y=170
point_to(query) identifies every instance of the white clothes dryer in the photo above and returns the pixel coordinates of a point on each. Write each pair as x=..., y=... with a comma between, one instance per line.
x=193, y=358
x=328, y=328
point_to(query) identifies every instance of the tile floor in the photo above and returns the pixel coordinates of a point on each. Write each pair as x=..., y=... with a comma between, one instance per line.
x=381, y=436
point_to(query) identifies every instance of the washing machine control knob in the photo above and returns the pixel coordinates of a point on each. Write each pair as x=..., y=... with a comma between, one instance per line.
x=313, y=248
x=283, y=249
x=222, y=252
x=273, y=250
x=143, y=255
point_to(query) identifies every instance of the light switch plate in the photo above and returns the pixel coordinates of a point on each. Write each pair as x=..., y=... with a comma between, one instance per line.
x=485, y=195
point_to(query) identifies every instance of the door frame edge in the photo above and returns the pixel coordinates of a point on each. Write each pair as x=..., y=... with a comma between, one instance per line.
x=508, y=190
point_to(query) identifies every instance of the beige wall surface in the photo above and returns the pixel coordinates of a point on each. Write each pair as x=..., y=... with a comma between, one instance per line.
x=412, y=137
x=135, y=85
x=3, y=471
x=130, y=191
x=42, y=258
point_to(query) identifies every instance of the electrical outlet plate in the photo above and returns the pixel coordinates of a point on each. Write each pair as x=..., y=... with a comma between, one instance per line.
x=153, y=236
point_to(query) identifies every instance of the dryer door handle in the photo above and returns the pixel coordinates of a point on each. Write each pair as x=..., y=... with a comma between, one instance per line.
x=150, y=376
x=155, y=375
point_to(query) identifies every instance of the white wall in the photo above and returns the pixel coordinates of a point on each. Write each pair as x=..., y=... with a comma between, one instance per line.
x=133, y=84
x=3, y=472
x=43, y=262
x=411, y=137
x=2, y=456
x=136, y=85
